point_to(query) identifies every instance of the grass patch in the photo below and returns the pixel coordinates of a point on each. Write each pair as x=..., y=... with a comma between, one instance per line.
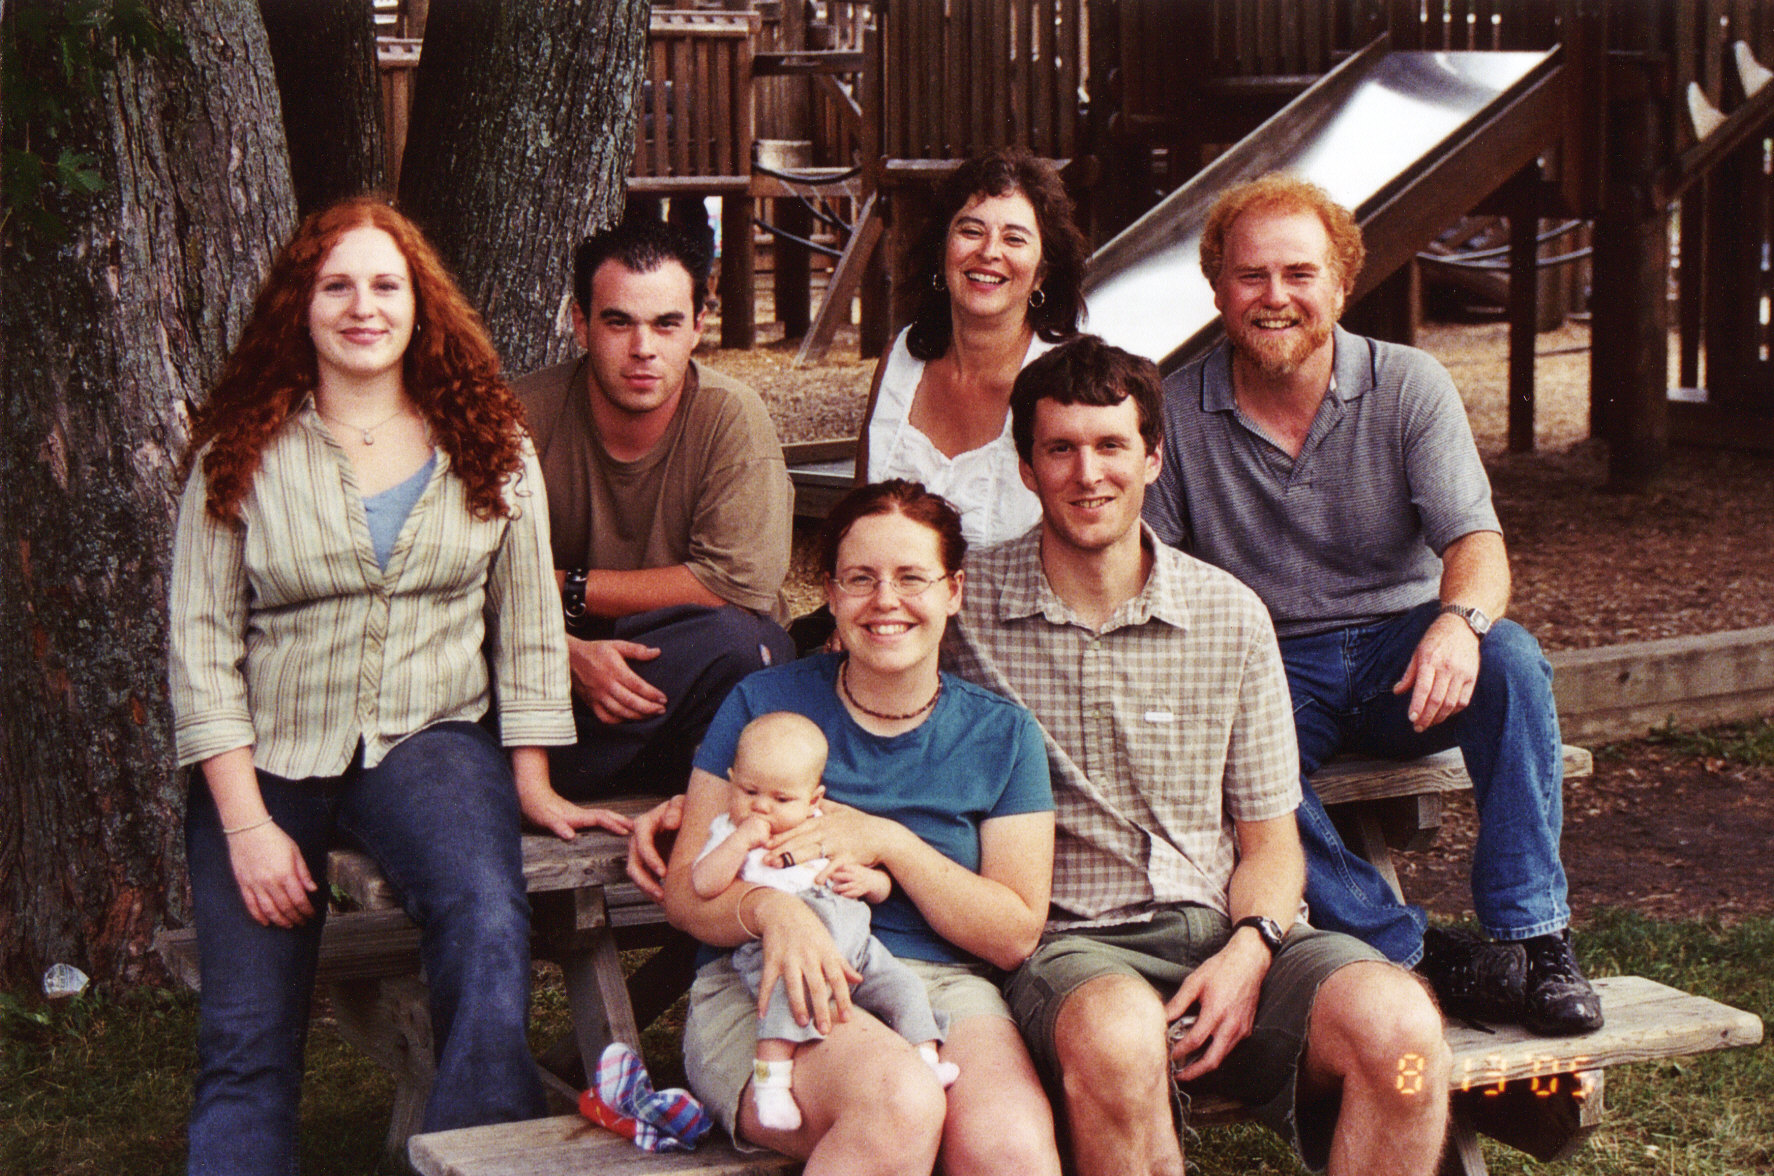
x=1750, y=743
x=101, y=1085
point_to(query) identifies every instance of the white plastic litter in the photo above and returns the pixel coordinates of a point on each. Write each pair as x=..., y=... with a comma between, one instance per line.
x=64, y=980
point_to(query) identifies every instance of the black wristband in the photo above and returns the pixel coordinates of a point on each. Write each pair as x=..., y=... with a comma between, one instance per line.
x=1267, y=929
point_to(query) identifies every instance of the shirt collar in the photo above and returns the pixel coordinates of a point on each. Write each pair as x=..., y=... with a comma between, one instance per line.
x=1024, y=591
x=1352, y=372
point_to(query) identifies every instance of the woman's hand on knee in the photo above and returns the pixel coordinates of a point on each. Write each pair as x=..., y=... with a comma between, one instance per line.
x=273, y=877
x=799, y=952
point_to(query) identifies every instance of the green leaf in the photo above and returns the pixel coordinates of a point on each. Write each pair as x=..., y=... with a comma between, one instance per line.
x=77, y=173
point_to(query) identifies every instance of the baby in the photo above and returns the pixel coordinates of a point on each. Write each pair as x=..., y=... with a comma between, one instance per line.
x=775, y=787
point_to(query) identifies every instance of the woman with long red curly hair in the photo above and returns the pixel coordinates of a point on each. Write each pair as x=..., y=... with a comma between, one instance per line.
x=361, y=565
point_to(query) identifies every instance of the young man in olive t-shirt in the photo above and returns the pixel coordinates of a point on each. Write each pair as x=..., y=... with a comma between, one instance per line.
x=670, y=510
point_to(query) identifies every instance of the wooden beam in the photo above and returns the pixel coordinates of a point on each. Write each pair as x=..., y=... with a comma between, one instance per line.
x=846, y=278
x=1623, y=691
x=1524, y=313
x=808, y=63
x=1747, y=123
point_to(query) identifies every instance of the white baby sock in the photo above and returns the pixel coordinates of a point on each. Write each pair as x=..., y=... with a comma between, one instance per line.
x=776, y=1102
x=946, y=1072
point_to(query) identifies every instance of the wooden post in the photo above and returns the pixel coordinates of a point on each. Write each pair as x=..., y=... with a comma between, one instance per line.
x=1692, y=281
x=1583, y=29
x=1524, y=290
x=793, y=270
x=738, y=272
x=1629, y=356
x=1732, y=299
x=1390, y=310
x=873, y=335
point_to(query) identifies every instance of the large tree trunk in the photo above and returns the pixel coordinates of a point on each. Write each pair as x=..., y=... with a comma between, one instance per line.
x=106, y=336
x=522, y=130
x=325, y=53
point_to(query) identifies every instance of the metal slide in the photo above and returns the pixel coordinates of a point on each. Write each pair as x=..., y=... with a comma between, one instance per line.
x=1408, y=140
x=1411, y=141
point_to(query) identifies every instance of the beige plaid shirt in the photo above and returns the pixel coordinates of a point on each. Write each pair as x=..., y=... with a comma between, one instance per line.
x=1162, y=728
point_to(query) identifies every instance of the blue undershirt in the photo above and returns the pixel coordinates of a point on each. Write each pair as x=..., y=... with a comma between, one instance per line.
x=387, y=512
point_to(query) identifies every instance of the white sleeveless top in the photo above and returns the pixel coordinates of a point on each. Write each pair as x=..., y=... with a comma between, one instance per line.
x=983, y=483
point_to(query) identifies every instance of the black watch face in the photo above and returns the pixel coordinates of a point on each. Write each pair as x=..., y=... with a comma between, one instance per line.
x=1267, y=930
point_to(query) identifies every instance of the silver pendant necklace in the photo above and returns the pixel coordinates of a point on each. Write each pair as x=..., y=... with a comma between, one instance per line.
x=364, y=431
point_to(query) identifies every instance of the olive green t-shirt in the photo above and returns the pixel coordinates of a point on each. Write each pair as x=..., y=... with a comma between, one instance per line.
x=713, y=494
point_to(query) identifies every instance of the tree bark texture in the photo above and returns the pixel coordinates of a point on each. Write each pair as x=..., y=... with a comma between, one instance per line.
x=108, y=335
x=325, y=53
x=522, y=133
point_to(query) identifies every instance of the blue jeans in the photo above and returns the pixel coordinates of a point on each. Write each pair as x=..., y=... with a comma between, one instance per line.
x=440, y=815
x=703, y=653
x=1341, y=683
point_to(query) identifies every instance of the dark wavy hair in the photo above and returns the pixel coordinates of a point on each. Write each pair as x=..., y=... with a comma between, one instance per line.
x=1092, y=372
x=450, y=369
x=896, y=495
x=1064, y=250
x=641, y=244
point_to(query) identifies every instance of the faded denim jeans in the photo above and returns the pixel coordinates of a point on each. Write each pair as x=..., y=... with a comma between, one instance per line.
x=1341, y=683
x=440, y=815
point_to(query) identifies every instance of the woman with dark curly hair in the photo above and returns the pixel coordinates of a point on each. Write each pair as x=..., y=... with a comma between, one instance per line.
x=361, y=564
x=999, y=270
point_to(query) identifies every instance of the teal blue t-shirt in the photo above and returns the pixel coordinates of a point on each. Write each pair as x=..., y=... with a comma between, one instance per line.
x=976, y=757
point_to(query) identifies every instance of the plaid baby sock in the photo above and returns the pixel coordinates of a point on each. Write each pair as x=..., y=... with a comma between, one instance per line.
x=665, y=1120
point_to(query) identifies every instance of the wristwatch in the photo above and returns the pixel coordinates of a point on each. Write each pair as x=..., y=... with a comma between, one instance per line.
x=1268, y=930
x=1480, y=623
x=573, y=599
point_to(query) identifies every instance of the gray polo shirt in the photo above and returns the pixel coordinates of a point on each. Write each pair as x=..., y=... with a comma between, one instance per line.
x=1352, y=530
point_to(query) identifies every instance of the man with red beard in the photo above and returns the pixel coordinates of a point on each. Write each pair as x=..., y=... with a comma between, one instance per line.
x=1336, y=476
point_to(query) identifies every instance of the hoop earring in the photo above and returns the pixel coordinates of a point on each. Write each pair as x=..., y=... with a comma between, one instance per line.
x=1038, y=299
x=936, y=282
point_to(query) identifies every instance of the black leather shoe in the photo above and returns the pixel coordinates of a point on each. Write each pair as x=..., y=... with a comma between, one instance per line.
x=1558, y=1001
x=1473, y=977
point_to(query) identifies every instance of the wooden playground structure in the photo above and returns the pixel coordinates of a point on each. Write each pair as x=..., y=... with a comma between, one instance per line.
x=821, y=125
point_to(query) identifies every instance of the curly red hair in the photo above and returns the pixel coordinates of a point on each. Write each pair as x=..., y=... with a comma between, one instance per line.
x=451, y=371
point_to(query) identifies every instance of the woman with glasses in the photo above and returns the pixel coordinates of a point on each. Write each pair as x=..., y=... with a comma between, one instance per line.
x=943, y=786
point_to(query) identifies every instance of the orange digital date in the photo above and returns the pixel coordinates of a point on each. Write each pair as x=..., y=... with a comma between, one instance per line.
x=1492, y=1077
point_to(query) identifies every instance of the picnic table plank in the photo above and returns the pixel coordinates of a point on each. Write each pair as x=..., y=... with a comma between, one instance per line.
x=563, y=1145
x=1645, y=1021
x=1346, y=781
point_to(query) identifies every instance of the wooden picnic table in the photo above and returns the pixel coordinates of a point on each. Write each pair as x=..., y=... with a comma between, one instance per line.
x=580, y=899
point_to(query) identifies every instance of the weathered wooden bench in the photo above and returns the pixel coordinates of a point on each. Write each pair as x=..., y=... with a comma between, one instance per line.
x=1539, y=1095
x=1384, y=805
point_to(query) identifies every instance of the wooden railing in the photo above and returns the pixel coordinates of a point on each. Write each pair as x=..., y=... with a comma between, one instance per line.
x=966, y=75
x=695, y=116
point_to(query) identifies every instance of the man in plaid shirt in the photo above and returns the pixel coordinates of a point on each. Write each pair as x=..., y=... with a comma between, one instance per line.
x=1175, y=960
